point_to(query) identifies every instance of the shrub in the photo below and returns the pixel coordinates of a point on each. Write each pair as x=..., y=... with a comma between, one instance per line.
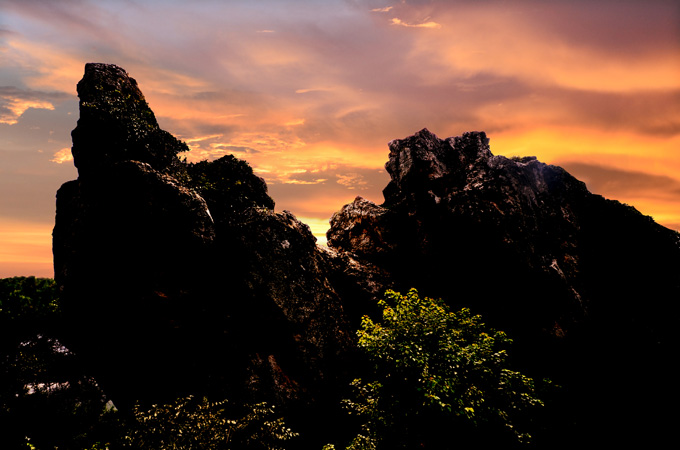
x=439, y=380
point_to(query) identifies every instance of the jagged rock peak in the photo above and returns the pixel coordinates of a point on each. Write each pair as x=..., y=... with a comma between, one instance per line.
x=423, y=164
x=116, y=124
x=422, y=158
x=104, y=83
x=424, y=144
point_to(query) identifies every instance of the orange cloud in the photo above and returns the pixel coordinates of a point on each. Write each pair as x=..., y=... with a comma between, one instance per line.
x=62, y=156
x=627, y=157
x=295, y=122
x=510, y=43
x=624, y=151
x=48, y=67
x=16, y=107
x=352, y=181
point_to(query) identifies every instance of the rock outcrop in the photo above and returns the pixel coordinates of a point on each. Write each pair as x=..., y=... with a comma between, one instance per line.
x=580, y=282
x=181, y=278
x=454, y=213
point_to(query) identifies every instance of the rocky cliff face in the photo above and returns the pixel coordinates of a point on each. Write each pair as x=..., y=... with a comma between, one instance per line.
x=182, y=278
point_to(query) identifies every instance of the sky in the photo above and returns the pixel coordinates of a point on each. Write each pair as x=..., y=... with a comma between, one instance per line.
x=309, y=93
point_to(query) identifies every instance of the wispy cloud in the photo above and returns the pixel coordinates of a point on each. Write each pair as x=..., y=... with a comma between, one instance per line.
x=295, y=122
x=594, y=82
x=396, y=21
x=352, y=181
x=522, y=44
x=306, y=91
x=15, y=102
x=197, y=139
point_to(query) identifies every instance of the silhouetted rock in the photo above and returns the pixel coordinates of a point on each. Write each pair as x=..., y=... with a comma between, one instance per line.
x=116, y=124
x=181, y=278
x=229, y=186
x=582, y=283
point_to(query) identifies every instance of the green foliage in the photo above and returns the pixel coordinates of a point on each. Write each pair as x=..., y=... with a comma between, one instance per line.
x=46, y=399
x=439, y=379
x=27, y=299
x=192, y=424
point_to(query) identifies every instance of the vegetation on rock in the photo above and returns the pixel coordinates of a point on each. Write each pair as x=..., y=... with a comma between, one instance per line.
x=431, y=372
x=229, y=186
x=198, y=424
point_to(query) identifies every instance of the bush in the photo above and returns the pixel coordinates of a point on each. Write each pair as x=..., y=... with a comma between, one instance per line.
x=439, y=380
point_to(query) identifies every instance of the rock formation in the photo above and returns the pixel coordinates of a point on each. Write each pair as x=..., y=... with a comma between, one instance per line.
x=580, y=282
x=181, y=278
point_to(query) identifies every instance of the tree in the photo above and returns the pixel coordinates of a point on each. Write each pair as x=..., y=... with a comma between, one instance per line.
x=439, y=379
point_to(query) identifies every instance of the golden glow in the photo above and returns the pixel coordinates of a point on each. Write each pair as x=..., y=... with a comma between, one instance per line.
x=623, y=151
x=505, y=43
x=318, y=227
x=25, y=249
x=310, y=97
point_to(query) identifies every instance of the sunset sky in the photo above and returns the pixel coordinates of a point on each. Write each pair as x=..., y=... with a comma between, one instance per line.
x=310, y=93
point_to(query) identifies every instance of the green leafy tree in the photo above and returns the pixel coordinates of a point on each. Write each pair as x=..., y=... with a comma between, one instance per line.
x=439, y=380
